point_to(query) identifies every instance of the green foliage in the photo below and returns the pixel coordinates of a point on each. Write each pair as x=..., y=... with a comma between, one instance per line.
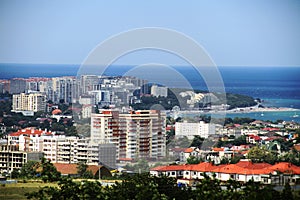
x=83, y=172
x=166, y=102
x=242, y=120
x=29, y=169
x=262, y=154
x=210, y=188
x=197, y=141
x=49, y=172
x=193, y=160
x=140, y=166
x=15, y=173
x=254, y=190
x=174, y=99
x=287, y=192
x=238, y=100
x=144, y=186
x=237, y=141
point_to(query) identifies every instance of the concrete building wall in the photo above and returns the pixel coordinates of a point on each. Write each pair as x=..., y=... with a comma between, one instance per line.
x=159, y=91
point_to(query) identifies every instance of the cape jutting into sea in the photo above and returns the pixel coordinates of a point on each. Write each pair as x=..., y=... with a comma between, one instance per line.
x=276, y=86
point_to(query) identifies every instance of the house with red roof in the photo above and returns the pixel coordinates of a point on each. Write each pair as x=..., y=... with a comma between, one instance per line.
x=253, y=139
x=242, y=171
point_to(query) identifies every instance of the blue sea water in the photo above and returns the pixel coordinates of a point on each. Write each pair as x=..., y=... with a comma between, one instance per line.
x=277, y=86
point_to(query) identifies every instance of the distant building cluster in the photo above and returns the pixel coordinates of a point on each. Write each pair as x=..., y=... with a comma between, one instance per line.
x=31, y=94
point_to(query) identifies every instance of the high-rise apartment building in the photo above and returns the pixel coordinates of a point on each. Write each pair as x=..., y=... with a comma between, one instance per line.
x=137, y=134
x=64, y=89
x=29, y=102
x=17, y=85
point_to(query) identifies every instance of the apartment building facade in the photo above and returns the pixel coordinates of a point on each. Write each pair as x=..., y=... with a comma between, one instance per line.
x=137, y=134
x=29, y=102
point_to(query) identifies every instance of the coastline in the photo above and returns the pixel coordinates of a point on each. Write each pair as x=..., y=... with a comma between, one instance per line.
x=244, y=110
x=261, y=109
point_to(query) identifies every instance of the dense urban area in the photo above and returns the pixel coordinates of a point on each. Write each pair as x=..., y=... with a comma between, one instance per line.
x=129, y=134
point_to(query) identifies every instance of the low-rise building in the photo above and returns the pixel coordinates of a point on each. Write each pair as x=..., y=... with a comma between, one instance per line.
x=190, y=130
x=242, y=171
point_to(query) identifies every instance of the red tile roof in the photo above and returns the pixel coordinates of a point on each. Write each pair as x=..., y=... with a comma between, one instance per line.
x=66, y=168
x=204, y=167
x=218, y=149
x=242, y=167
x=255, y=137
x=178, y=149
x=250, y=165
x=188, y=150
x=71, y=169
x=30, y=131
x=270, y=129
x=286, y=167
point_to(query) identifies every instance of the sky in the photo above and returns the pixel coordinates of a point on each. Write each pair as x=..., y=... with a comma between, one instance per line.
x=233, y=33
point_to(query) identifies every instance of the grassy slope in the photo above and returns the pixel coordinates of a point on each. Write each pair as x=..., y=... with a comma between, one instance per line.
x=18, y=191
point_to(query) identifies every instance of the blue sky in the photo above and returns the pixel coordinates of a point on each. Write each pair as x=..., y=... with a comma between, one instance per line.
x=234, y=33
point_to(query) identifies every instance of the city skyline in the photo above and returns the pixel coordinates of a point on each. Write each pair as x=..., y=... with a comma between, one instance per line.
x=251, y=33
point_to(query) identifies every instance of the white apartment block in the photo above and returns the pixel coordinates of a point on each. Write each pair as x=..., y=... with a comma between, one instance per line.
x=190, y=130
x=159, y=91
x=137, y=134
x=29, y=102
x=56, y=148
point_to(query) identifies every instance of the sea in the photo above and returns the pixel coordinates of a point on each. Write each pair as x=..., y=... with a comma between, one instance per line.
x=275, y=86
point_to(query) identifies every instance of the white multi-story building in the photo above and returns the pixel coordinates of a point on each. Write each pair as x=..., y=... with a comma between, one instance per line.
x=29, y=102
x=190, y=130
x=59, y=148
x=137, y=134
x=159, y=91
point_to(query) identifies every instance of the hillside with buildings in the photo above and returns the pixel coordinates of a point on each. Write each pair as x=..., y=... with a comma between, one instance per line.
x=95, y=120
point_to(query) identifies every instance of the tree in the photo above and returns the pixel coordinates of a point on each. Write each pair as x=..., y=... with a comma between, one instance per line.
x=49, y=173
x=15, y=173
x=29, y=169
x=287, y=192
x=145, y=186
x=240, y=140
x=83, y=172
x=193, y=160
x=261, y=154
x=197, y=141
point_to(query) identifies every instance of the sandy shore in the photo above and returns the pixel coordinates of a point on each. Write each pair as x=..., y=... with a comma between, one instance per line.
x=244, y=110
x=258, y=109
